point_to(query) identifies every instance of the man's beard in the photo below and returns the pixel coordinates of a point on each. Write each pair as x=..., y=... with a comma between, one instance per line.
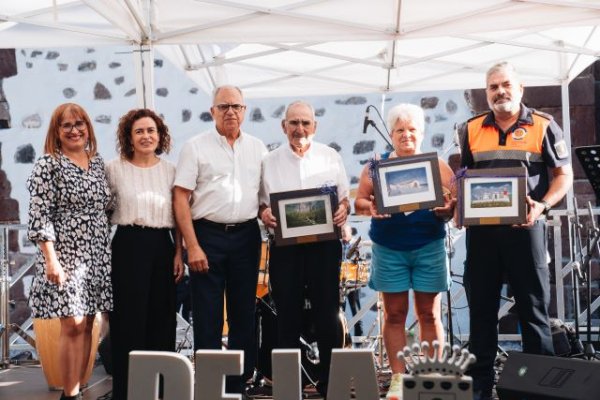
x=504, y=107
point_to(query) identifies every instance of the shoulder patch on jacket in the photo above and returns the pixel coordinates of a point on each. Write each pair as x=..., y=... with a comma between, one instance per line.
x=561, y=149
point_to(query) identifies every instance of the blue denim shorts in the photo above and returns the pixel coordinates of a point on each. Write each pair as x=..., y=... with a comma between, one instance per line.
x=424, y=269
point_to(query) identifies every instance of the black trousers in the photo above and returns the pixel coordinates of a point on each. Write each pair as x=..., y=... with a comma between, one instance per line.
x=144, y=297
x=519, y=254
x=313, y=269
x=233, y=259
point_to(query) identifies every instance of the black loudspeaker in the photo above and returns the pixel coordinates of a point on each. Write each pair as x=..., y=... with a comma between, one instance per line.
x=534, y=377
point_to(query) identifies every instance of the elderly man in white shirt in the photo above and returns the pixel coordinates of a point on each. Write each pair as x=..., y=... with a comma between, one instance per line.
x=314, y=267
x=216, y=205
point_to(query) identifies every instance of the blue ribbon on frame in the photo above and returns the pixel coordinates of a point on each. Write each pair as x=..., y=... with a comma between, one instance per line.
x=328, y=189
x=373, y=163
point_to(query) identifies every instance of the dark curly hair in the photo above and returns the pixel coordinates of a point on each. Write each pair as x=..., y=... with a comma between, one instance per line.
x=124, y=146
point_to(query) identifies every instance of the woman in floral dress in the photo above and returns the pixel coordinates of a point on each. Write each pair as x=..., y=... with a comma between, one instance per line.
x=69, y=196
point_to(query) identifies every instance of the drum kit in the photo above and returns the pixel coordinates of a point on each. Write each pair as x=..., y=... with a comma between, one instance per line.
x=354, y=274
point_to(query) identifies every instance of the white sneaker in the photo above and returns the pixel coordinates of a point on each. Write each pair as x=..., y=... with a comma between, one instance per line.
x=395, y=390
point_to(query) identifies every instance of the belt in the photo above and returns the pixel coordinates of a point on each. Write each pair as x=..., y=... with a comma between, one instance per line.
x=228, y=227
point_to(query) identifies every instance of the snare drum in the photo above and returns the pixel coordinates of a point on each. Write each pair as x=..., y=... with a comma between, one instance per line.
x=354, y=274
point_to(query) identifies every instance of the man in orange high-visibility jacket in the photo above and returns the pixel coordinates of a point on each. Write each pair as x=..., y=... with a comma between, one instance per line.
x=511, y=135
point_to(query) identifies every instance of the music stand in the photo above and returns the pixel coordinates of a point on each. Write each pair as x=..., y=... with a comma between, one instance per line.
x=589, y=158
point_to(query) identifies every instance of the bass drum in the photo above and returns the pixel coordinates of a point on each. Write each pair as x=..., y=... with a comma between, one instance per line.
x=266, y=336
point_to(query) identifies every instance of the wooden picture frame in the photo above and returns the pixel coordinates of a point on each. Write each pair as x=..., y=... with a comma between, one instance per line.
x=305, y=216
x=493, y=196
x=411, y=183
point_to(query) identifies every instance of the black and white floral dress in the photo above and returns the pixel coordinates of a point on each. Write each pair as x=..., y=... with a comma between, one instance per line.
x=68, y=207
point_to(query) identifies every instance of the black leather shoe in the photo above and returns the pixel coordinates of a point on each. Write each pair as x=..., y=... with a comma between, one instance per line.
x=78, y=396
x=106, y=396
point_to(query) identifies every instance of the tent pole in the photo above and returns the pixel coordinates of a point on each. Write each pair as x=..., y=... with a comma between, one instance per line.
x=382, y=107
x=143, y=56
x=566, y=117
x=143, y=59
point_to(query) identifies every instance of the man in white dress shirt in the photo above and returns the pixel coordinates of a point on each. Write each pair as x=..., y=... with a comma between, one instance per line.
x=216, y=204
x=313, y=268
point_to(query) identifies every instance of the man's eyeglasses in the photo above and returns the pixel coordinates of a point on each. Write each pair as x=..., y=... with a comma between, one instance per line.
x=68, y=127
x=297, y=122
x=225, y=107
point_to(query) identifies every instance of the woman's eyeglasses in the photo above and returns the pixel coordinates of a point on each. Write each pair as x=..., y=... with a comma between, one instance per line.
x=68, y=127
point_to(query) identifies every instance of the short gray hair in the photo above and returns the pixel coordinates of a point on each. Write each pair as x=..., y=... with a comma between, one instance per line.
x=406, y=112
x=300, y=103
x=219, y=88
x=502, y=66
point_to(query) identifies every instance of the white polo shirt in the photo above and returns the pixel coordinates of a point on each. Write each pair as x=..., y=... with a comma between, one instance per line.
x=284, y=170
x=225, y=181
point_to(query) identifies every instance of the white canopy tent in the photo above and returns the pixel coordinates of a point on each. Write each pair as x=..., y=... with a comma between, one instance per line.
x=274, y=48
x=277, y=47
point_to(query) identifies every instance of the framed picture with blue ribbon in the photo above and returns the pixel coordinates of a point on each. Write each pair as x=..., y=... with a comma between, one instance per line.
x=305, y=216
x=403, y=184
x=492, y=196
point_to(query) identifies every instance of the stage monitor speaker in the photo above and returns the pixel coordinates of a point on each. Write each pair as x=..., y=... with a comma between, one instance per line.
x=534, y=377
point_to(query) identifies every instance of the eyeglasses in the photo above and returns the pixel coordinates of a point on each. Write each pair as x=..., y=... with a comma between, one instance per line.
x=68, y=127
x=297, y=122
x=225, y=107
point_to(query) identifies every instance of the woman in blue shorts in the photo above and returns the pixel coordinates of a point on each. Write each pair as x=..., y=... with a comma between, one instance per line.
x=408, y=248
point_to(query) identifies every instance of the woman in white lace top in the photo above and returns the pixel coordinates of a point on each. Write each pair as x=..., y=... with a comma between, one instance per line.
x=147, y=255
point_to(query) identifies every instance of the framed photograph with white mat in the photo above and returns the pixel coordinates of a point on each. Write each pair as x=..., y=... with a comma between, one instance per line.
x=493, y=196
x=305, y=216
x=408, y=183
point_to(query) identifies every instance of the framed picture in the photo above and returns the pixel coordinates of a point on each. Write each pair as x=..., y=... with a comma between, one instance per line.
x=494, y=196
x=408, y=184
x=305, y=216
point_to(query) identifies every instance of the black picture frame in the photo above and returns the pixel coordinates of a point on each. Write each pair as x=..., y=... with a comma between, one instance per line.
x=403, y=184
x=493, y=196
x=305, y=216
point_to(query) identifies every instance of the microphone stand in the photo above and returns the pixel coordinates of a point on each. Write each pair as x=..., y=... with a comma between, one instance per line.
x=449, y=254
x=577, y=276
x=372, y=123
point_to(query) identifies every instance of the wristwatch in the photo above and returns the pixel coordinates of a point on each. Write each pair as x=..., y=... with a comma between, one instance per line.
x=547, y=207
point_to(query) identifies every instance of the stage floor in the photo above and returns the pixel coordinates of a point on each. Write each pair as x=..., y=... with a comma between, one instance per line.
x=27, y=382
